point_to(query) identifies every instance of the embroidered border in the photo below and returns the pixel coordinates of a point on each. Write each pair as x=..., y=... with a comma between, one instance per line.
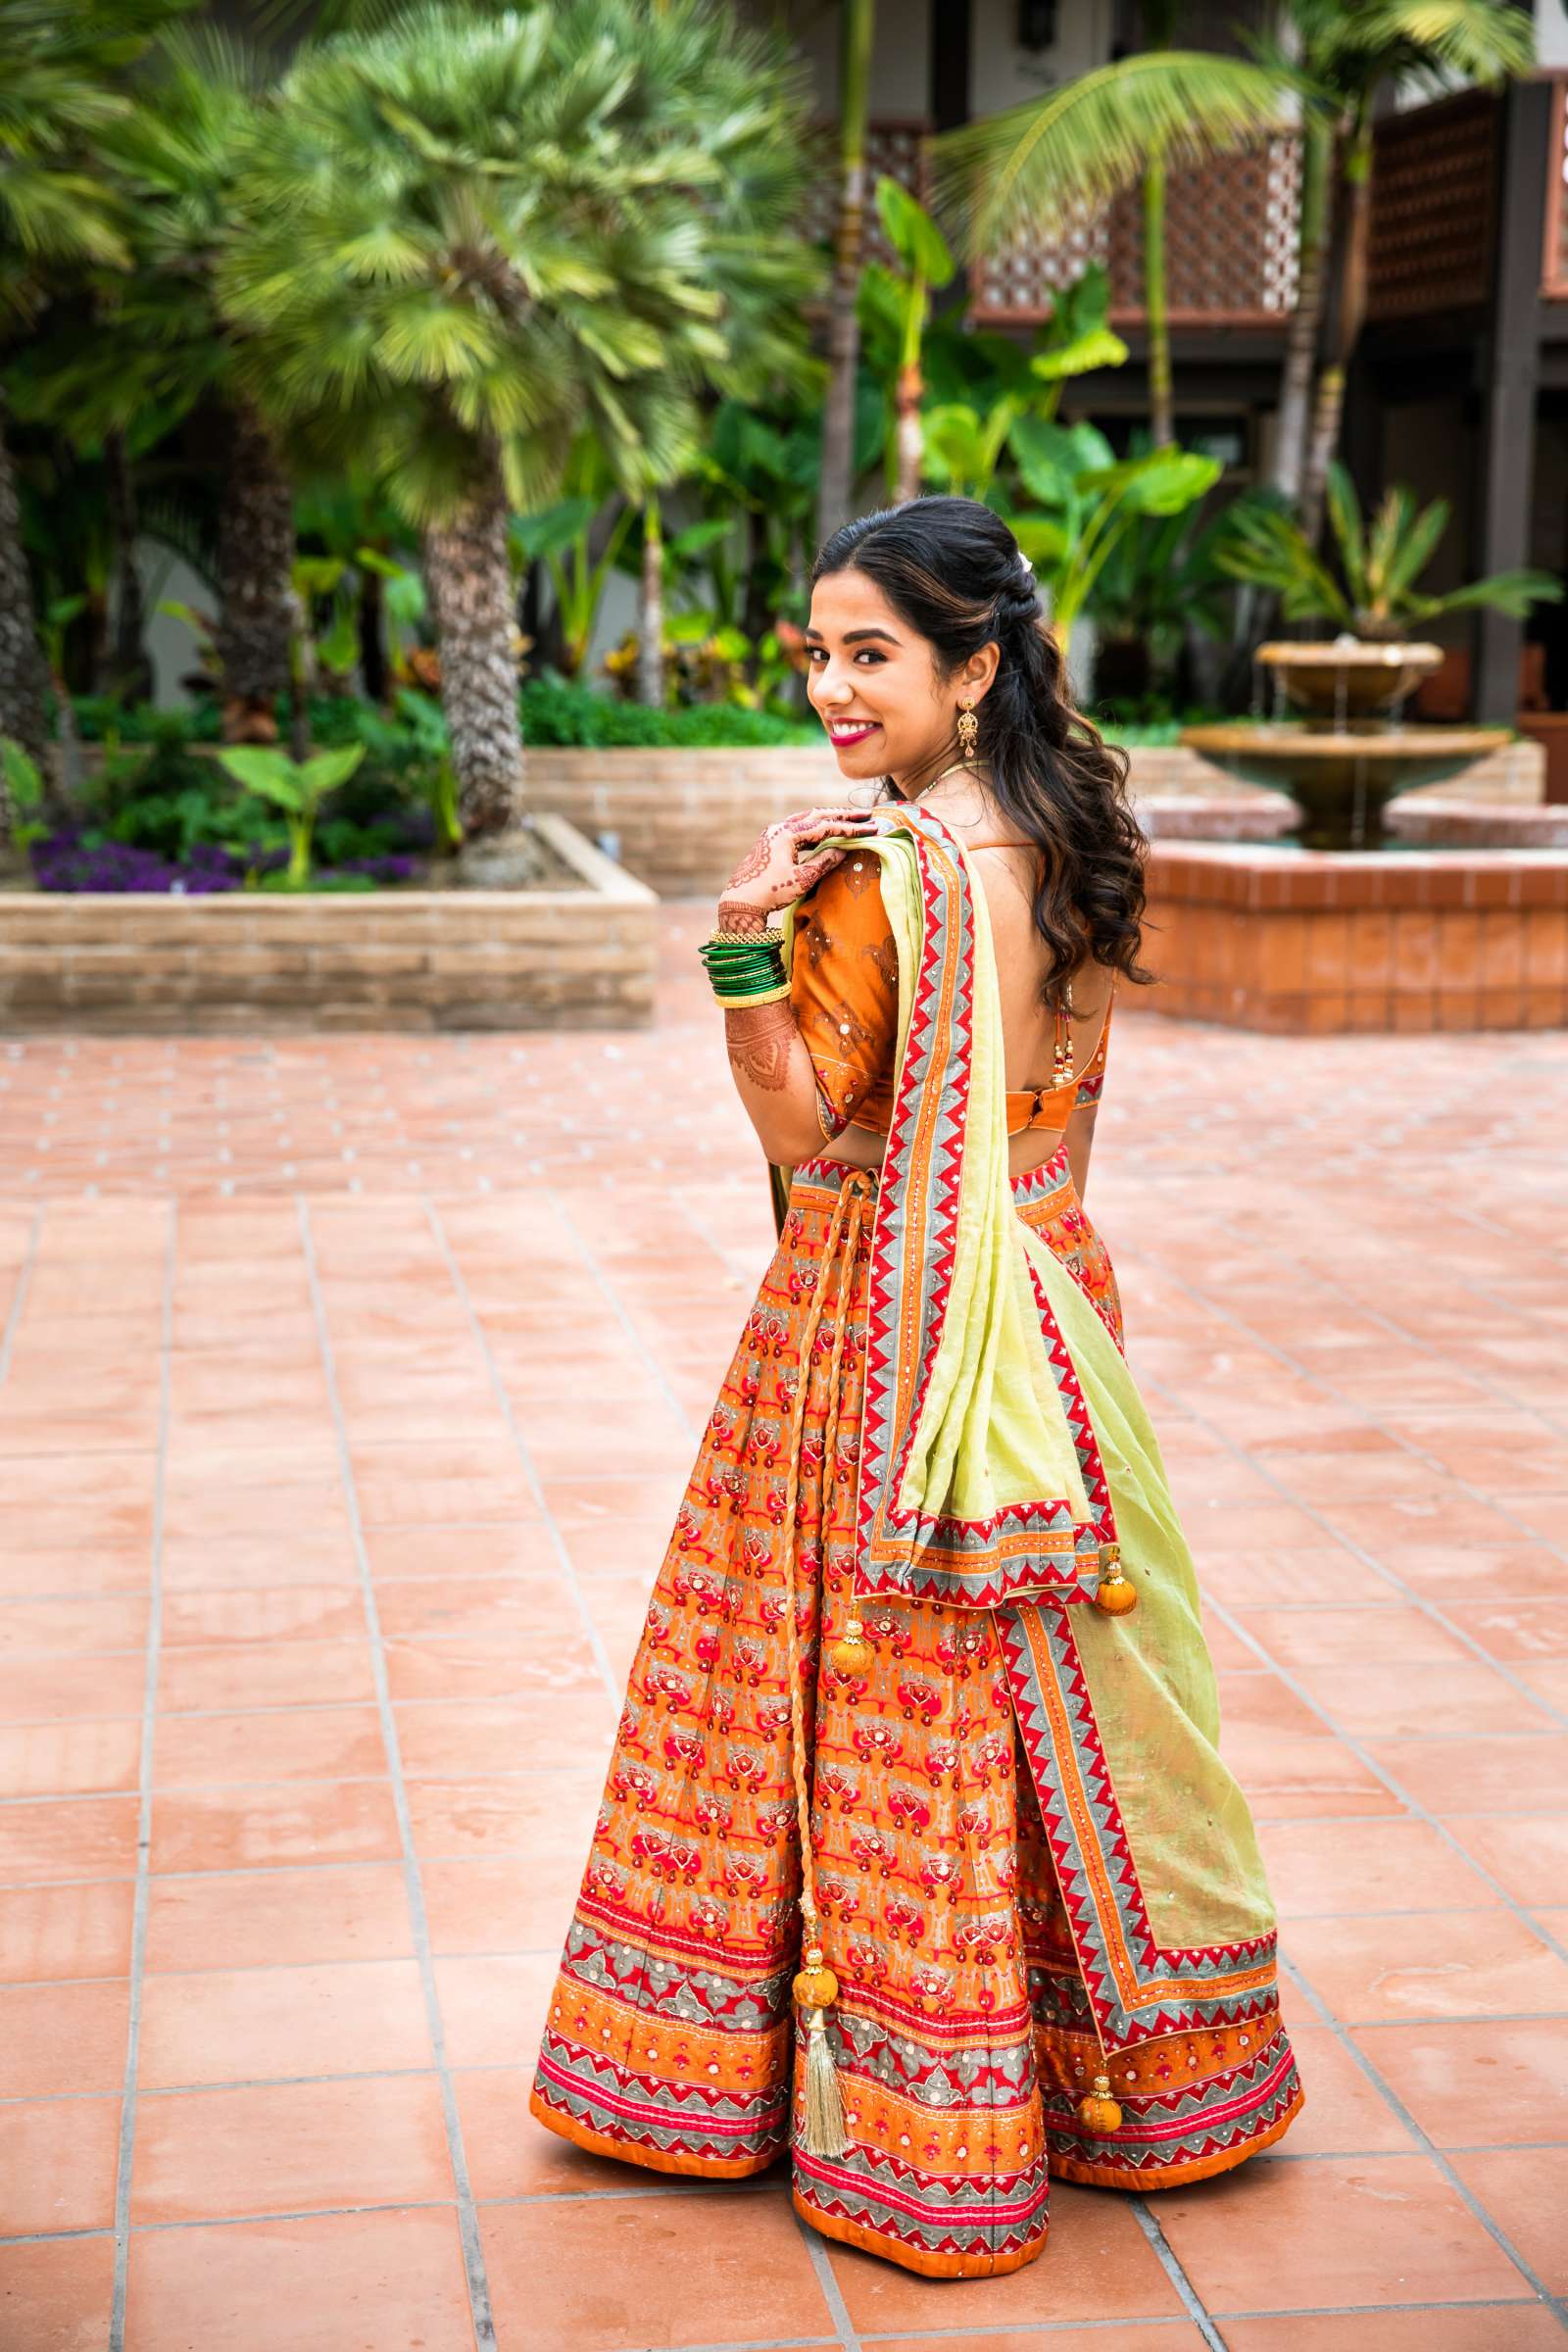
x=1022, y=1548
x=1136, y=1988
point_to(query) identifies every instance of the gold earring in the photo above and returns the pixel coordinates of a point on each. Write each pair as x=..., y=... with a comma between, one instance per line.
x=968, y=730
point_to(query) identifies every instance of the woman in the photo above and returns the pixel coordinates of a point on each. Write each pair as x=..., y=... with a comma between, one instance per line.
x=915, y=1854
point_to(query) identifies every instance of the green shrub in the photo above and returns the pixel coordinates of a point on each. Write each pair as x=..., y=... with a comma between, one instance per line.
x=558, y=710
x=101, y=719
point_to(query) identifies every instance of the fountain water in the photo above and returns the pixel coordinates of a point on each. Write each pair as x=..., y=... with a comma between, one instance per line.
x=1349, y=752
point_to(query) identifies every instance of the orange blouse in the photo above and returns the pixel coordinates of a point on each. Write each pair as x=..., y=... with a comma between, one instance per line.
x=844, y=989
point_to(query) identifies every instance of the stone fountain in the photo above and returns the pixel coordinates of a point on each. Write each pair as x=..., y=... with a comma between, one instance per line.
x=1348, y=754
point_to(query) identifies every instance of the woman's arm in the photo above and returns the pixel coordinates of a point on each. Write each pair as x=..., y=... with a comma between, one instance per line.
x=773, y=1069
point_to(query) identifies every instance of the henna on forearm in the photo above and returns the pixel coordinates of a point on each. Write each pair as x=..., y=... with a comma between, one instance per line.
x=760, y=1039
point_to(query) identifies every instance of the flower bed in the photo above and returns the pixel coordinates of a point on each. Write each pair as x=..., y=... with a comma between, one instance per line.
x=577, y=953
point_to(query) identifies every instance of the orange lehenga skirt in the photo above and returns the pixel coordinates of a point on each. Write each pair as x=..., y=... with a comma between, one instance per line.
x=965, y=2032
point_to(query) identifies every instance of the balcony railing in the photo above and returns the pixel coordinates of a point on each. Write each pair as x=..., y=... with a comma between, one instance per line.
x=1230, y=249
x=1230, y=238
x=1232, y=225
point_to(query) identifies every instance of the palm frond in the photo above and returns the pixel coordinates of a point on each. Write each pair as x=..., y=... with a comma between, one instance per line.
x=1464, y=40
x=1080, y=145
x=1344, y=522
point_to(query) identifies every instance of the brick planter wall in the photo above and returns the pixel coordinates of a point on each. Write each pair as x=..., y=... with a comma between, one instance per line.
x=571, y=958
x=1309, y=943
x=683, y=819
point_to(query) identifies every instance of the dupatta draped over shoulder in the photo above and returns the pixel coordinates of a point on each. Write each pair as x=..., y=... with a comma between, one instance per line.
x=980, y=1481
x=1003, y=1446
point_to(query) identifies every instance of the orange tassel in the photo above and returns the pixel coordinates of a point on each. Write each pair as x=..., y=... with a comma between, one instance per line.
x=1098, y=2112
x=1116, y=1594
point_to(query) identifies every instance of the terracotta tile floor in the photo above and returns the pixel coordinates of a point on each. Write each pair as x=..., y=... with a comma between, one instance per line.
x=345, y=1392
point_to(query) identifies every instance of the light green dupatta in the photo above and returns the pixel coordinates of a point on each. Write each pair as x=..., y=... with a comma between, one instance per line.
x=1003, y=1446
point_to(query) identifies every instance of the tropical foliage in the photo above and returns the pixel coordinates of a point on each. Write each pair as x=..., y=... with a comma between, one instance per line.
x=1337, y=60
x=1371, y=586
x=1062, y=156
x=424, y=342
x=468, y=237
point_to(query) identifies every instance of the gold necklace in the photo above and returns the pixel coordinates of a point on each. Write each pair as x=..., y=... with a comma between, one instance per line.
x=960, y=767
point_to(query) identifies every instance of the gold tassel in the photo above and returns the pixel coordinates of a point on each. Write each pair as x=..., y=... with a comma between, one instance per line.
x=1116, y=1594
x=851, y=1652
x=823, y=2133
x=1098, y=2112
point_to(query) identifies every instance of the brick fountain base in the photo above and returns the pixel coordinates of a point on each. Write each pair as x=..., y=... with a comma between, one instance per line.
x=1308, y=942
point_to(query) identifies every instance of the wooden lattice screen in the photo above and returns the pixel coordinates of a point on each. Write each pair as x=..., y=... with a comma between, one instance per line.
x=895, y=148
x=1230, y=238
x=1434, y=200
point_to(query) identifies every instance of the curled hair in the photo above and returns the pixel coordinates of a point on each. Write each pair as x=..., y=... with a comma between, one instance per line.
x=952, y=571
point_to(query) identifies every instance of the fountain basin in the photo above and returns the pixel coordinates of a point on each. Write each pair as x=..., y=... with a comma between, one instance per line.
x=1341, y=778
x=1350, y=679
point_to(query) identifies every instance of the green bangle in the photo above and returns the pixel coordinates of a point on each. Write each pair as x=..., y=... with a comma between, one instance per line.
x=757, y=996
x=735, y=953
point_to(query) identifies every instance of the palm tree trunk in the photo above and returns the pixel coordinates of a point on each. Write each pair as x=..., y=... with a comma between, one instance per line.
x=909, y=434
x=471, y=593
x=651, y=611
x=844, y=324
x=1157, y=315
x=129, y=669
x=256, y=599
x=1306, y=319
x=370, y=627
x=23, y=678
x=1349, y=313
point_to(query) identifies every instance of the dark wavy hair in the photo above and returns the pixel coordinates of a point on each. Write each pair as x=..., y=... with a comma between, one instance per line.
x=952, y=571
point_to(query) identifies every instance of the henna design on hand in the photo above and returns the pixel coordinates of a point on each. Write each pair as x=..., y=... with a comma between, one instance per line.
x=777, y=868
x=757, y=860
x=759, y=1037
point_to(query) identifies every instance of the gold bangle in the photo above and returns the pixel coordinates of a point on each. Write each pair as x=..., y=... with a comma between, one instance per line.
x=745, y=939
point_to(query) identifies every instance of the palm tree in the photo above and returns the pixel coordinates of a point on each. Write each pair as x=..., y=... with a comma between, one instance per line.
x=856, y=26
x=56, y=98
x=160, y=345
x=1347, y=56
x=1073, y=150
x=465, y=239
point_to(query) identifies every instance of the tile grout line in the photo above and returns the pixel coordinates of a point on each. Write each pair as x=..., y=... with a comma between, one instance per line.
x=1557, y=2304
x=1364, y=1415
x=1287, y=1676
x=141, y=1898
x=612, y=1300
x=1326, y=2014
x=1378, y=1319
x=521, y=1446
x=1172, y=2264
x=19, y=1295
x=478, y=2285
x=828, y=2287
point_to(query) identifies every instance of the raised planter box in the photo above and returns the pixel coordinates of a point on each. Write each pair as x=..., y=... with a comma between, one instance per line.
x=583, y=956
x=1311, y=943
x=683, y=819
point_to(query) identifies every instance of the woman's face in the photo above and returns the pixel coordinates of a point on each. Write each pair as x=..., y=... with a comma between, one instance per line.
x=876, y=685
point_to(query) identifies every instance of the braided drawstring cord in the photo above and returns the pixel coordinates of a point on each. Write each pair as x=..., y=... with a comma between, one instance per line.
x=816, y=1987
